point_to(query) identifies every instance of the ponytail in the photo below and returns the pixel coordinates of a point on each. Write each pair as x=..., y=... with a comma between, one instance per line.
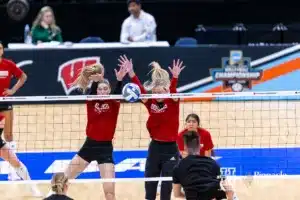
x=82, y=81
x=159, y=77
x=58, y=183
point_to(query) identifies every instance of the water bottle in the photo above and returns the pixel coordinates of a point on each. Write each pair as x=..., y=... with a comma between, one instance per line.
x=27, y=36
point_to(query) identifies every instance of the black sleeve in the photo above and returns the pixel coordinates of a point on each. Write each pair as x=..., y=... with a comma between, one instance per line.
x=93, y=90
x=175, y=175
x=118, y=87
x=217, y=169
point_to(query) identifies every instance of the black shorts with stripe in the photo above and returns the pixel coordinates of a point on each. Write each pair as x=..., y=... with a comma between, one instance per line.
x=99, y=151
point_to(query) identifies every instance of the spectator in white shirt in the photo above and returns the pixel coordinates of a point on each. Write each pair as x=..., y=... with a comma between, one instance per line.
x=139, y=26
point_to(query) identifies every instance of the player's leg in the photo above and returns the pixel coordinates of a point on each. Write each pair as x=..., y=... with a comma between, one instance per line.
x=169, y=157
x=107, y=171
x=9, y=156
x=152, y=169
x=76, y=167
x=7, y=112
x=104, y=152
x=80, y=161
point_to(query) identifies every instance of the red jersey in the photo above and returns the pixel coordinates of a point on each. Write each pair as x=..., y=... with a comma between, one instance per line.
x=205, y=141
x=7, y=70
x=163, y=121
x=102, y=119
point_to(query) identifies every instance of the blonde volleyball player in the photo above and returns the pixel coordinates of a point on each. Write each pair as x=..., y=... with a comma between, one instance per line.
x=102, y=118
x=162, y=125
x=59, y=186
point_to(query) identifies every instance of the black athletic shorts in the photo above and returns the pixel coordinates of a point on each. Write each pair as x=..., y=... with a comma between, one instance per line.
x=5, y=107
x=92, y=150
x=2, y=142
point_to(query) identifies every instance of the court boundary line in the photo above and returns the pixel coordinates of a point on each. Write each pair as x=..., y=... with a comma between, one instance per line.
x=118, y=180
x=142, y=149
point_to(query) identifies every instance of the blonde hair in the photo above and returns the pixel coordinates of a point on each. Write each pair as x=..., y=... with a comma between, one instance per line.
x=82, y=81
x=58, y=182
x=159, y=77
x=105, y=81
x=39, y=19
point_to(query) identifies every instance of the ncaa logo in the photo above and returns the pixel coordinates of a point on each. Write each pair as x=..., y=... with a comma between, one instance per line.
x=235, y=57
x=131, y=92
x=69, y=71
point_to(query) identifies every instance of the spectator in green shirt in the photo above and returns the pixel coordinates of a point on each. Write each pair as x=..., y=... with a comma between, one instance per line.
x=44, y=28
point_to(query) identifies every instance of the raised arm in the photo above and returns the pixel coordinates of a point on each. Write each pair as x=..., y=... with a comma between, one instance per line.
x=123, y=61
x=176, y=69
x=120, y=76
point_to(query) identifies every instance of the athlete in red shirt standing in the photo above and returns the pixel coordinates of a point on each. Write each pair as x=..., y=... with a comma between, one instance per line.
x=7, y=70
x=102, y=118
x=162, y=125
x=192, y=123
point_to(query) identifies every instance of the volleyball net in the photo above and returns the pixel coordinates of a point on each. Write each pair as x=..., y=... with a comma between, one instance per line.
x=254, y=133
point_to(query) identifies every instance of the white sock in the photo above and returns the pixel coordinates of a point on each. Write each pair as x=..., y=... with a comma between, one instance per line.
x=13, y=146
x=23, y=172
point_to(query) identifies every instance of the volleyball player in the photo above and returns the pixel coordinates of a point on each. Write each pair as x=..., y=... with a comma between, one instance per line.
x=199, y=176
x=192, y=123
x=102, y=118
x=162, y=125
x=60, y=186
x=8, y=69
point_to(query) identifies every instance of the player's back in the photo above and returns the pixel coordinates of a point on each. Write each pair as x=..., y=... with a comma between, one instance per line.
x=197, y=175
x=58, y=197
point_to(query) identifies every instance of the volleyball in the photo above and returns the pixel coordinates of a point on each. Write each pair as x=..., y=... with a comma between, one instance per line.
x=131, y=92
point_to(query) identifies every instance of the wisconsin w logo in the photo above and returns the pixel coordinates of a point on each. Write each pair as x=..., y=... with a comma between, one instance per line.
x=69, y=71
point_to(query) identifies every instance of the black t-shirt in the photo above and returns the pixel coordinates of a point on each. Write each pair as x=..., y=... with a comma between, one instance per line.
x=58, y=197
x=198, y=175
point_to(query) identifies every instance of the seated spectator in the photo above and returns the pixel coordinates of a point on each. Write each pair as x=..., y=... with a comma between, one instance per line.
x=44, y=28
x=139, y=26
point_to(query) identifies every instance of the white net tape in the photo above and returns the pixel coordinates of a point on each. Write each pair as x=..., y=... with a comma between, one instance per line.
x=243, y=95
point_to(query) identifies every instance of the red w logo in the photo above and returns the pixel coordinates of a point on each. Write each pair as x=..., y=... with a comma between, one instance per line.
x=69, y=71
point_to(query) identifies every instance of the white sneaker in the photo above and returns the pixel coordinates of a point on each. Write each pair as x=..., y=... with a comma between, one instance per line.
x=35, y=191
x=12, y=175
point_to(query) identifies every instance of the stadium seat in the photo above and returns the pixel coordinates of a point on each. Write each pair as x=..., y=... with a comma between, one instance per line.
x=186, y=42
x=92, y=40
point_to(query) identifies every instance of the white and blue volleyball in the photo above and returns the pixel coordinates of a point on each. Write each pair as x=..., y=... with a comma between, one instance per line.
x=131, y=92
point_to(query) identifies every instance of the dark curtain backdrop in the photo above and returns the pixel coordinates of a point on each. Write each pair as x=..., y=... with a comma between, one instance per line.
x=174, y=19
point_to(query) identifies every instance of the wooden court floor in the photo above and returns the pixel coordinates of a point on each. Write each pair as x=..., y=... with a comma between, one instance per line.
x=280, y=189
x=61, y=127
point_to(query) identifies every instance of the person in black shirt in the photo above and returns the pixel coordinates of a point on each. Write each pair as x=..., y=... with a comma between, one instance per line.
x=200, y=176
x=59, y=185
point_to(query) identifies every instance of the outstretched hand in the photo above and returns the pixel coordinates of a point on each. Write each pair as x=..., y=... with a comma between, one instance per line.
x=125, y=62
x=121, y=73
x=177, y=67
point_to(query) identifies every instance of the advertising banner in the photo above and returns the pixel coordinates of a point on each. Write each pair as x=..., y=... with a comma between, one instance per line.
x=50, y=72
